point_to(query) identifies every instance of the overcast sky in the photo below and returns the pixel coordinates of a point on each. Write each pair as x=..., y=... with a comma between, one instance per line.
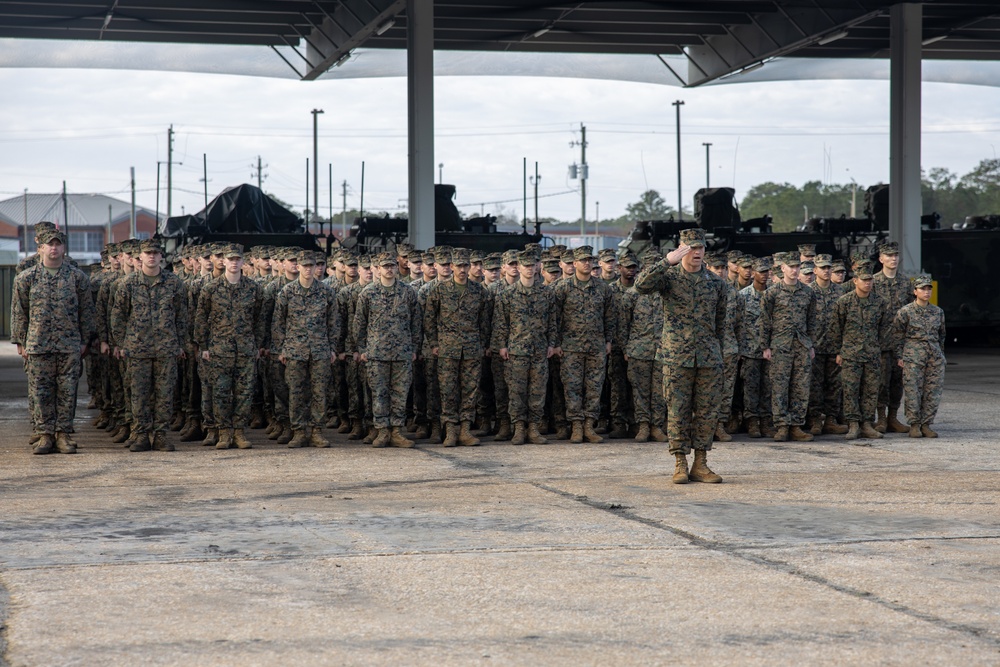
x=88, y=127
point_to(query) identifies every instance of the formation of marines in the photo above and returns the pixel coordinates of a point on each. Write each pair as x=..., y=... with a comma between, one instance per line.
x=451, y=345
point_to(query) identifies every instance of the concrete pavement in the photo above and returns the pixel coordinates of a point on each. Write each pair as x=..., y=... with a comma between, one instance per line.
x=809, y=553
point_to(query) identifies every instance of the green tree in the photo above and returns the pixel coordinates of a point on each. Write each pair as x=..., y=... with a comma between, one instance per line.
x=651, y=206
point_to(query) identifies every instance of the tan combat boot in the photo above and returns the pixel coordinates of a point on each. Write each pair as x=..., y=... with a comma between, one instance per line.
x=382, y=438
x=273, y=430
x=781, y=435
x=344, y=426
x=814, y=425
x=46, y=443
x=423, y=432
x=465, y=437
x=926, y=430
x=868, y=432
x=286, y=434
x=535, y=435
x=196, y=433
x=589, y=434
x=720, y=434
x=518, y=437
x=316, y=438
x=450, y=435
x=894, y=425
x=140, y=442
x=397, y=439
x=160, y=443
x=882, y=424
x=257, y=421
x=853, y=431
x=753, y=428
x=123, y=433
x=225, y=438
x=358, y=430
x=299, y=439
x=562, y=432
x=700, y=472
x=505, y=433
x=211, y=438
x=733, y=425
x=767, y=427
x=915, y=431
x=831, y=427
x=643, y=434
x=797, y=434
x=240, y=440
x=436, y=431
x=576, y=436
x=657, y=434
x=64, y=444
x=680, y=469
x=371, y=435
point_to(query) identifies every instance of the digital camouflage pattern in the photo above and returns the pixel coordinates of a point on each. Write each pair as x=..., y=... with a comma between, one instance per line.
x=919, y=332
x=694, y=320
x=896, y=292
x=857, y=329
x=788, y=326
x=306, y=322
x=825, y=389
x=149, y=318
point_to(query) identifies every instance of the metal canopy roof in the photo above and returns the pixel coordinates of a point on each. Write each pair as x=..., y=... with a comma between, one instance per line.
x=717, y=37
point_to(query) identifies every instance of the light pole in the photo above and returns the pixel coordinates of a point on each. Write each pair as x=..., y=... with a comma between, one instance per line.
x=316, y=113
x=440, y=173
x=535, y=180
x=680, y=208
x=597, y=220
x=708, y=165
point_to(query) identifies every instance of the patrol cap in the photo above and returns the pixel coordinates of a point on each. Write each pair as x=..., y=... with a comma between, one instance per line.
x=629, y=260
x=263, y=251
x=693, y=236
x=415, y=256
x=838, y=266
x=218, y=248
x=807, y=249
x=859, y=257
x=567, y=257
x=492, y=261
x=305, y=258
x=150, y=245
x=582, y=253
x=607, y=254
x=235, y=250
x=791, y=259
x=443, y=256
x=762, y=264
x=823, y=261
x=350, y=259
x=715, y=259
x=807, y=268
x=476, y=256
x=923, y=280
x=863, y=270
x=48, y=236
x=385, y=259
x=428, y=257
x=557, y=249
x=551, y=266
x=460, y=257
x=535, y=248
x=527, y=258
x=43, y=226
x=365, y=261
x=319, y=257
x=404, y=249
x=734, y=256
x=509, y=257
x=889, y=248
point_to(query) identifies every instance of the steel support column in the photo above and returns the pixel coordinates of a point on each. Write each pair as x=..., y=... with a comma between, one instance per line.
x=904, y=132
x=420, y=102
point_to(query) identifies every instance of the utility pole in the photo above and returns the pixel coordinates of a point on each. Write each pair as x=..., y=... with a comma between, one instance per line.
x=524, y=197
x=170, y=170
x=680, y=206
x=204, y=171
x=316, y=113
x=26, y=222
x=65, y=216
x=330, y=167
x=708, y=164
x=307, y=195
x=132, y=215
x=343, y=216
x=260, y=173
x=582, y=173
x=109, y=224
x=597, y=221
x=158, y=163
x=535, y=182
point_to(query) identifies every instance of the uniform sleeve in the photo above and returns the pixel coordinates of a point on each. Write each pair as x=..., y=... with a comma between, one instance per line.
x=610, y=316
x=837, y=325
x=721, y=313
x=87, y=314
x=885, y=328
x=899, y=325
x=279, y=321
x=655, y=279
x=120, y=312
x=20, y=309
x=625, y=318
x=942, y=332
x=259, y=328
x=484, y=317
x=180, y=313
x=551, y=319
x=416, y=321
x=432, y=307
x=333, y=320
x=766, y=321
x=202, y=317
x=558, y=303
x=501, y=323
x=361, y=323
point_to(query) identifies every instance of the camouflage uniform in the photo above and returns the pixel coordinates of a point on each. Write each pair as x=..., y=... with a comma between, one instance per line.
x=753, y=367
x=498, y=367
x=387, y=328
x=857, y=328
x=788, y=327
x=305, y=330
x=347, y=302
x=52, y=317
x=640, y=328
x=586, y=317
x=149, y=320
x=919, y=333
x=694, y=321
x=231, y=330
x=524, y=324
x=896, y=292
x=825, y=391
x=619, y=399
x=456, y=322
x=730, y=352
x=276, y=370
